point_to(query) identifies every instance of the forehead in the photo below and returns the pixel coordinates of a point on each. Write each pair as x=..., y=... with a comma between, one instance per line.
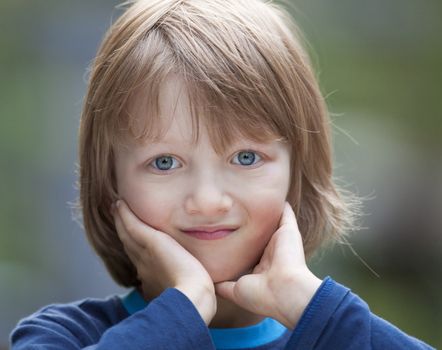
x=177, y=113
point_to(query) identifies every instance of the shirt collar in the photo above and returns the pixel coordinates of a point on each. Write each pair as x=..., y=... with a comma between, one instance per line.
x=262, y=333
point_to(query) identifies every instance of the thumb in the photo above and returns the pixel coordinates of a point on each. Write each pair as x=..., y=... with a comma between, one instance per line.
x=288, y=216
x=226, y=290
x=248, y=293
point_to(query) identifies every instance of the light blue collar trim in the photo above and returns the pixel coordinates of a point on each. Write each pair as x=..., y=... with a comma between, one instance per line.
x=133, y=302
x=262, y=333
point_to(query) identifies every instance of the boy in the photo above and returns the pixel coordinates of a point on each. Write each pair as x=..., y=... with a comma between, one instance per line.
x=205, y=181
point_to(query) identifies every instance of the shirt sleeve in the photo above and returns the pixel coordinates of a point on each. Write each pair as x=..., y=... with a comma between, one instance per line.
x=170, y=319
x=336, y=318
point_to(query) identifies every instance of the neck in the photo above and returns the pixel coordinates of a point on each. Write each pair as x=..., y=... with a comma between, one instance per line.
x=230, y=315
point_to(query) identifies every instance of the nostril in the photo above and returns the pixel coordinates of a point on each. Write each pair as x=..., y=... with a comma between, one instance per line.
x=209, y=205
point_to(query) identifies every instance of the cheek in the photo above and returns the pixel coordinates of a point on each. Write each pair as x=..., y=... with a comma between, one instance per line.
x=265, y=201
x=152, y=207
x=264, y=219
x=264, y=214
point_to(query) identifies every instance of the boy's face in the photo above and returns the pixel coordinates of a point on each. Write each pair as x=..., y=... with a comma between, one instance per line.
x=174, y=186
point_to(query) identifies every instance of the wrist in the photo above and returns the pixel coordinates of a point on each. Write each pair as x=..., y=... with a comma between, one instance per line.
x=203, y=299
x=300, y=291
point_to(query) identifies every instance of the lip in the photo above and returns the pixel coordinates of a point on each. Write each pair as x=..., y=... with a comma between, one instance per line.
x=210, y=228
x=209, y=232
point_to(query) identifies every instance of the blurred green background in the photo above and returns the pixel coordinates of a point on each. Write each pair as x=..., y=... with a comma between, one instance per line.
x=378, y=63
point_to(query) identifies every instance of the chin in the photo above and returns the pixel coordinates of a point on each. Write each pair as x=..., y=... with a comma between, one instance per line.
x=220, y=275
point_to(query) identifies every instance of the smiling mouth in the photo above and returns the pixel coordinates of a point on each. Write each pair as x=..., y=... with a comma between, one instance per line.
x=209, y=235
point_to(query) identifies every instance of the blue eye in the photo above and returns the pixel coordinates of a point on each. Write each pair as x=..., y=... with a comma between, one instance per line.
x=247, y=158
x=165, y=163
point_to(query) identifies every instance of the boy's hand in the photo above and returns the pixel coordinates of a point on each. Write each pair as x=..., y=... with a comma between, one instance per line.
x=161, y=262
x=281, y=285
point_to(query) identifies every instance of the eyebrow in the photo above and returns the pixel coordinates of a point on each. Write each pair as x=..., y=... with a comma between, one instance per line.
x=168, y=142
x=171, y=141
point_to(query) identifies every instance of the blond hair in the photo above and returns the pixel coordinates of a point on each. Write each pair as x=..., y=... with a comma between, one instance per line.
x=246, y=73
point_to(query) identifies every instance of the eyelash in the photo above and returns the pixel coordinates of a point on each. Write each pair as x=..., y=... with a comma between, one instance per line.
x=257, y=155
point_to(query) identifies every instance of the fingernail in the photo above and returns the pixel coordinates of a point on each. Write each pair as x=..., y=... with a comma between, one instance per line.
x=118, y=203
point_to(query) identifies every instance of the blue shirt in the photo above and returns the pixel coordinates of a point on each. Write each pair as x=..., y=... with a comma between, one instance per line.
x=335, y=318
x=269, y=331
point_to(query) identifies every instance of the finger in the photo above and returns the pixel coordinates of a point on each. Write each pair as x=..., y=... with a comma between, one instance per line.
x=244, y=292
x=121, y=231
x=290, y=233
x=130, y=246
x=225, y=290
x=288, y=217
x=135, y=228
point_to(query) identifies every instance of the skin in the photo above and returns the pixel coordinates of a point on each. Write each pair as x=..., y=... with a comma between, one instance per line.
x=205, y=188
x=280, y=285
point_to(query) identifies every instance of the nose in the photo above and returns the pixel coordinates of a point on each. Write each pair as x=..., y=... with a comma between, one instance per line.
x=208, y=197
